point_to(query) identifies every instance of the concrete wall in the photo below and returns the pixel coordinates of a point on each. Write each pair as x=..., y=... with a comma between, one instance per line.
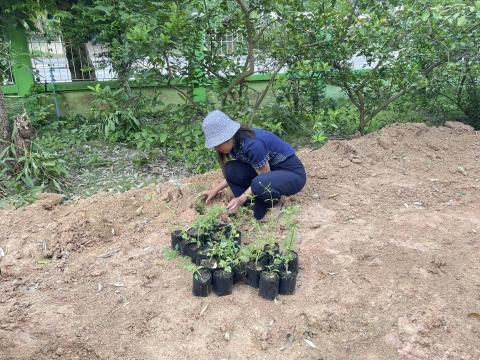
x=80, y=102
x=72, y=102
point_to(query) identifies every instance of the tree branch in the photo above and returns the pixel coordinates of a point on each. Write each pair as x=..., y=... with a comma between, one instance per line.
x=350, y=94
x=349, y=23
x=460, y=90
x=389, y=101
x=179, y=90
x=407, y=89
x=362, y=84
x=262, y=30
x=249, y=67
x=264, y=92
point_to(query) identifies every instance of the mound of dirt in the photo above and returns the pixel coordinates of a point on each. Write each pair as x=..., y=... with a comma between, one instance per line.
x=389, y=249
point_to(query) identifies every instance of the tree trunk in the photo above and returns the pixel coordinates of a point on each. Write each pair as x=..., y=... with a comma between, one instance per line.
x=123, y=73
x=4, y=125
x=249, y=67
x=23, y=134
x=362, y=123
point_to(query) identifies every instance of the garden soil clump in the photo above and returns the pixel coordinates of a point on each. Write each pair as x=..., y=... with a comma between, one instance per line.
x=389, y=249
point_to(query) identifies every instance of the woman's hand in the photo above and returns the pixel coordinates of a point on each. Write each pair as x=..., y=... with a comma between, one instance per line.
x=235, y=203
x=209, y=195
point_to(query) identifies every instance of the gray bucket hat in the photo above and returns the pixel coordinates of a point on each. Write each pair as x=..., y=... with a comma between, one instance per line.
x=218, y=128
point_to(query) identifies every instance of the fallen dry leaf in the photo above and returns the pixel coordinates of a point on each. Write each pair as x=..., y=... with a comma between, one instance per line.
x=475, y=316
x=311, y=344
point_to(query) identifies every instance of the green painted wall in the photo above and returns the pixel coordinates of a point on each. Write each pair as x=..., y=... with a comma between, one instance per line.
x=14, y=105
x=80, y=101
x=73, y=102
x=21, y=69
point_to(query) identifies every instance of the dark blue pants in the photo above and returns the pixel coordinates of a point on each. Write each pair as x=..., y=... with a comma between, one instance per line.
x=286, y=178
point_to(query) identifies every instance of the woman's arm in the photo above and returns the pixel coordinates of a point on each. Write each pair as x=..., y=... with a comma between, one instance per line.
x=221, y=186
x=235, y=203
x=210, y=194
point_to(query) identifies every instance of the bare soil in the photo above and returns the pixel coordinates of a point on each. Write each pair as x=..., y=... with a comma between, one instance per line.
x=389, y=253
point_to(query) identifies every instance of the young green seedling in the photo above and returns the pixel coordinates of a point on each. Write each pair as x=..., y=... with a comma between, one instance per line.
x=190, y=267
x=205, y=224
x=170, y=254
x=289, y=220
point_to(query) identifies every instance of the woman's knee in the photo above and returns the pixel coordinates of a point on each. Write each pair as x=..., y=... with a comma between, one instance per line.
x=256, y=186
x=238, y=172
x=229, y=171
x=233, y=170
x=300, y=183
x=263, y=189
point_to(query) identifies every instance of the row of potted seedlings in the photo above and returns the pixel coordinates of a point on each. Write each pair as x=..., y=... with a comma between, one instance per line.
x=209, y=252
x=219, y=260
x=271, y=271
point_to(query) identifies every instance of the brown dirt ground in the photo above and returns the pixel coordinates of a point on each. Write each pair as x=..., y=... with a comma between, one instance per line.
x=389, y=251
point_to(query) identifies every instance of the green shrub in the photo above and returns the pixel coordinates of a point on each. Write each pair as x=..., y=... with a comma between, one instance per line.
x=39, y=108
x=147, y=124
x=181, y=134
x=114, y=112
x=27, y=171
x=147, y=138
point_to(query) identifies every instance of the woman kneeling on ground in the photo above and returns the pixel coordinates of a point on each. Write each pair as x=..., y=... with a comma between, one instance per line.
x=263, y=165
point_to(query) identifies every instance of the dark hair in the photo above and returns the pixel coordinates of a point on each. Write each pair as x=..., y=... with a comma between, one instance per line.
x=243, y=132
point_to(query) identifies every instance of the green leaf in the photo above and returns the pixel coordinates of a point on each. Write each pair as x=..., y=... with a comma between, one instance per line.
x=163, y=137
x=105, y=9
x=170, y=254
x=4, y=152
x=425, y=16
x=43, y=261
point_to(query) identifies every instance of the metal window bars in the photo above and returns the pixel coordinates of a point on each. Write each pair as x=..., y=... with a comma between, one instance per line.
x=56, y=60
x=229, y=44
